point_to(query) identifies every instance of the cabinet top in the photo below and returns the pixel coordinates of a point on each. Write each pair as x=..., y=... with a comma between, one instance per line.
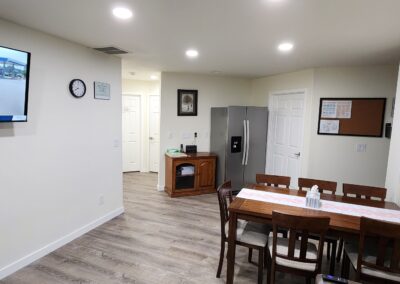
x=197, y=155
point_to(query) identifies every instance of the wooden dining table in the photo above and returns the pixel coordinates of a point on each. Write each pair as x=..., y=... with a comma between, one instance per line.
x=341, y=225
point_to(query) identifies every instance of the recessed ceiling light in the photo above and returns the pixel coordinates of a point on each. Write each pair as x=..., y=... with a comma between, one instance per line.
x=192, y=53
x=285, y=46
x=122, y=13
x=153, y=77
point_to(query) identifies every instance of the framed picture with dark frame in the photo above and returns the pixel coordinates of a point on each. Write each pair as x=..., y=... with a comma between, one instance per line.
x=187, y=102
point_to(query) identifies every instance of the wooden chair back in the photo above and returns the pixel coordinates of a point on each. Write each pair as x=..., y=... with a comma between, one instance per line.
x=225, y=198
x=303, y=227
x=387, y=236
x=363, y=191
x=273, y=180
x=323, y=185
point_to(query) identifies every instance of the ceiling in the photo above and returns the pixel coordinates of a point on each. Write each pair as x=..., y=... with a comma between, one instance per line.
x=233, y=37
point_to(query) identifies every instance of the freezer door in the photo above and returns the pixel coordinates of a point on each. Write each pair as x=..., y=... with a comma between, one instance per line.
x=219, y=139
x=257, y=118
x=234, y=157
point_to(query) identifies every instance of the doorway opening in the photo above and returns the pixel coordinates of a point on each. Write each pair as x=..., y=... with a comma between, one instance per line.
x=141, y=125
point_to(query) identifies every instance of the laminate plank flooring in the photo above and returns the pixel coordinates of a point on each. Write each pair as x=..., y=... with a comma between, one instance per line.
x=157, y=240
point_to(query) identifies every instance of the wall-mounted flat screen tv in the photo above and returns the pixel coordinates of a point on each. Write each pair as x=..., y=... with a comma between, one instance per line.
x=14, y=84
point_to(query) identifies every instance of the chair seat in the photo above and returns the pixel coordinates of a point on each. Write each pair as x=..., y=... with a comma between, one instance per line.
x=251, y=233
x=255, y=234
x=352, y=252
x=282, y=248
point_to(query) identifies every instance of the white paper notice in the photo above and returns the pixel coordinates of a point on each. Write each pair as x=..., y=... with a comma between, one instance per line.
x=329, y=126
x=329, y=109
x=343, y=109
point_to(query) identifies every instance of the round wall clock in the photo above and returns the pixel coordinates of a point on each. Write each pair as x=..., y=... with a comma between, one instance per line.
x=77, y=88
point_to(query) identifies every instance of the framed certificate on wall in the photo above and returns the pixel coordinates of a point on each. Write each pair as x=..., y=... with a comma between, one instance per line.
x=102, y=91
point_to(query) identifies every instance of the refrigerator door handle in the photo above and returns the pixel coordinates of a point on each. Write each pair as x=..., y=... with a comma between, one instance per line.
x=244, y=142
x=248, y=140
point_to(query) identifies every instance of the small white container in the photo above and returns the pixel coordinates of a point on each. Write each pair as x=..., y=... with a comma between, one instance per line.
x=313, y=198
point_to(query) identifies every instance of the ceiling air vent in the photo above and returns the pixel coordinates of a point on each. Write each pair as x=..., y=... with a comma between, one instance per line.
x=111, y=50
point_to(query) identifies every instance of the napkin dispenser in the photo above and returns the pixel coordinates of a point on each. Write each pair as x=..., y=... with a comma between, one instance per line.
x=313, y=198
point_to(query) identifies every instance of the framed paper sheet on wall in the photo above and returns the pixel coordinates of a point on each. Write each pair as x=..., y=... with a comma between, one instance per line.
x=102, y=91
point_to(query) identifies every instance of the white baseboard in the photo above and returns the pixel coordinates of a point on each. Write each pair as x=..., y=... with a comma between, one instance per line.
x=28, y=259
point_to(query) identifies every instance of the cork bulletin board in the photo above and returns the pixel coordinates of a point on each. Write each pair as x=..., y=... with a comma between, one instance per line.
x=352, y=116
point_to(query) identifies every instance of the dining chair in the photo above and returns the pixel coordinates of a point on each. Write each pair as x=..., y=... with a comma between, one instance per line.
x=248, y=234
x=276, y=181
x=363, y=191
x=323, y=185
x=293, y=255
x=375, y=260
x=360, y=192
x=273, y=180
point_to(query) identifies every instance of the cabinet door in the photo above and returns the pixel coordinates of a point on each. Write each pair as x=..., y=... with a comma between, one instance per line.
x=206, y=169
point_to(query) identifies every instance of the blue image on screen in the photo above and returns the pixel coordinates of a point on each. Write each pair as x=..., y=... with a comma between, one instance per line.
x=14, y=75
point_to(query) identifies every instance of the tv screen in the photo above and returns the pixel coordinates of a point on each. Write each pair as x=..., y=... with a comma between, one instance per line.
x=14, y=83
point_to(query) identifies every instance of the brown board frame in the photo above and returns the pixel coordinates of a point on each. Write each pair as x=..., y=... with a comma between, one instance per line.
x=372, y=133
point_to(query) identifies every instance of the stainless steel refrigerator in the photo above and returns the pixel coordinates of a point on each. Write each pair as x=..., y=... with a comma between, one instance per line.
x=239, y=138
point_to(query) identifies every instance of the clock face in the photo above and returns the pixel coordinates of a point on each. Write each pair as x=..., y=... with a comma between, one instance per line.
x=77, y=88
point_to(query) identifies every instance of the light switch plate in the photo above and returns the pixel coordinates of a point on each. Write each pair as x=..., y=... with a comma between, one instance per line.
x=361, y=148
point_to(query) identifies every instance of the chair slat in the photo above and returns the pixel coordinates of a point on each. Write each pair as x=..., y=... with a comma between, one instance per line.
x=395, y=260
x=304, y=245
x=382, y=245
x=292, y=242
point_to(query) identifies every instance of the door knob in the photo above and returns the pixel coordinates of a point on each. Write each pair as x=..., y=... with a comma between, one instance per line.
x=297, y=154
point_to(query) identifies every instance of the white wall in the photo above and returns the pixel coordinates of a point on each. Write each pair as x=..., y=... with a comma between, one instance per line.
x=144, y=89
x=335, y=158
x=393, y=169
x=55, y=168
x=214, y=91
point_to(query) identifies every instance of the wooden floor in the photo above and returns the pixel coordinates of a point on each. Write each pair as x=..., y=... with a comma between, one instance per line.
x=157, y=240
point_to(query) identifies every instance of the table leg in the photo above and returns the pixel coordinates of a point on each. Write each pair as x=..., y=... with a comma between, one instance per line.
x=231, y=248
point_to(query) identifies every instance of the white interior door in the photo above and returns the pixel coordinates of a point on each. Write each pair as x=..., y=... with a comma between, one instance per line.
x=285, y=135
x=131, y=133
x=154, y=133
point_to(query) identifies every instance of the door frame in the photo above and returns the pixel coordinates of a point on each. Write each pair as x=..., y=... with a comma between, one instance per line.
x=159, y=130
x=306, y=118
x=140, y=124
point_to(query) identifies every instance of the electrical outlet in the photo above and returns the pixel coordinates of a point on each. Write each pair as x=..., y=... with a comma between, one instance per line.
x=101, y=199
x=361, y=148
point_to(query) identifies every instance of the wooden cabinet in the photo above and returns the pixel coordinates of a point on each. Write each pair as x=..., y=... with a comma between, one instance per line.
x=190, y=175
